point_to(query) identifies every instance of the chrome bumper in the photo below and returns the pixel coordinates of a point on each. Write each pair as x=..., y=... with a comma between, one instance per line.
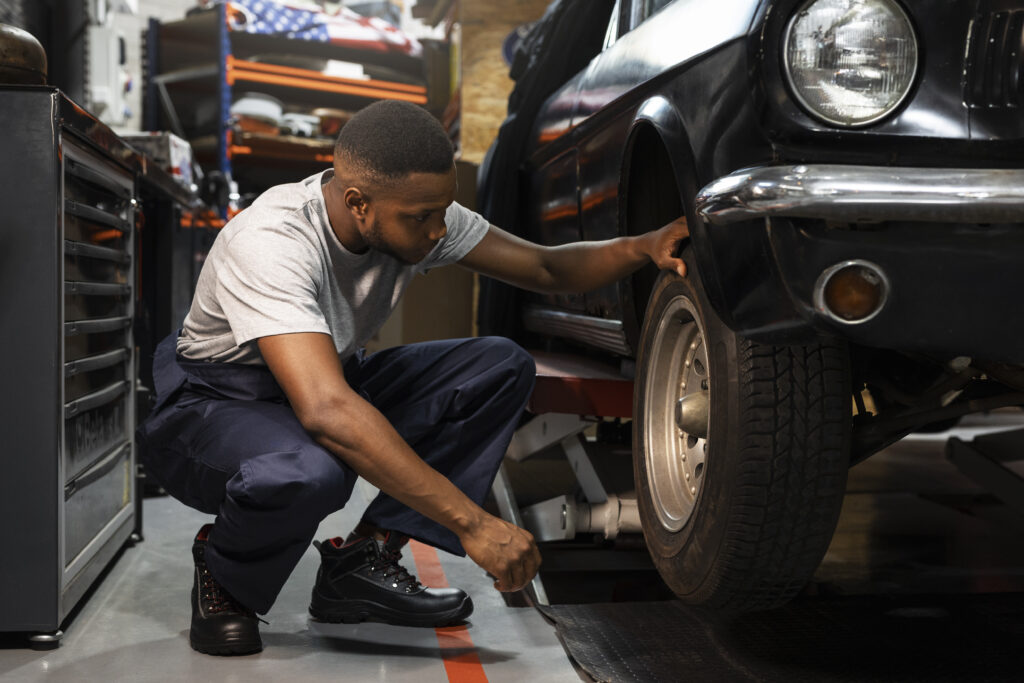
x=865, y=194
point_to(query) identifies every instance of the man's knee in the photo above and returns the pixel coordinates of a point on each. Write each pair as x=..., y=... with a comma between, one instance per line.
x=505, y=354
x=307, y=480
x=504, y=351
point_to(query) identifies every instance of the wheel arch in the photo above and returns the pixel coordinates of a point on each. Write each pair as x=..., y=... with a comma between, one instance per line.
x=658, y=182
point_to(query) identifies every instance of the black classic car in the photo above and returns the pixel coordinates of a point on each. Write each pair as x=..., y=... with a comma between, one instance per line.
x=852, y=172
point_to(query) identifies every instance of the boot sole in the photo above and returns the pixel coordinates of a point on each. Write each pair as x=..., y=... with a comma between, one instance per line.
x=358, y=611
x=236, y=647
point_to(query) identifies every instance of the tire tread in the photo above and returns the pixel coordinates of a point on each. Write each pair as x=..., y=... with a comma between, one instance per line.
x=793, y=447
x=778, y=458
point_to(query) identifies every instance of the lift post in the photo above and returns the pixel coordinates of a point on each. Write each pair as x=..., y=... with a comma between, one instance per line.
x=571, y=394
x=984, y=459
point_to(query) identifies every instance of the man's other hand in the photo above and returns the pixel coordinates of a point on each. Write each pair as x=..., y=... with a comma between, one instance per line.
x=664, y=243
x=503, y=550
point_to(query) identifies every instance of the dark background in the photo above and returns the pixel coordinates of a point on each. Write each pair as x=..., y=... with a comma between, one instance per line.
x=60, y=26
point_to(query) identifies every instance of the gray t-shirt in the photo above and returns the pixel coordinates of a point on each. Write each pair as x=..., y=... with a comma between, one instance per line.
x=278, y=268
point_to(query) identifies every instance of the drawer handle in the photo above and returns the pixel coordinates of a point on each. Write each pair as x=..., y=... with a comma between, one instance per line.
x=96, y=288
x=103, y=360
x=91, y=213
x=92, y=251
x=95, y=399
x=96, y=178
x=95, y=472
x=74, y=327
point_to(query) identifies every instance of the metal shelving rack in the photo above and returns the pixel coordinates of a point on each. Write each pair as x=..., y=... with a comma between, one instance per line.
x=200, y=60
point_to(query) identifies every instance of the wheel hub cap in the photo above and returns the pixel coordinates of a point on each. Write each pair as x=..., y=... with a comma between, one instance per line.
x=692, y=414
x=677, y=414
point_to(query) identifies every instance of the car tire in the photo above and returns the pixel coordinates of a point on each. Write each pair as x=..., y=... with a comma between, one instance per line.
x=740, y=484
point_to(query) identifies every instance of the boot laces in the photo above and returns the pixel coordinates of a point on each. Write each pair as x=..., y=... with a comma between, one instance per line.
x=217, y=599
x=387, y=564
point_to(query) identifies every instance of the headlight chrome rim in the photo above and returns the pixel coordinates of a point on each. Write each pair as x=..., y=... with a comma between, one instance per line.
x=825, y=118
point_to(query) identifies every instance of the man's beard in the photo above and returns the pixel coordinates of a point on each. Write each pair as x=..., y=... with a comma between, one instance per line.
x=376, y=241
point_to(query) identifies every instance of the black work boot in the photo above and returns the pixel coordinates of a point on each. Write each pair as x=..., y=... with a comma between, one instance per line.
x=220, y=624
x=363, y=581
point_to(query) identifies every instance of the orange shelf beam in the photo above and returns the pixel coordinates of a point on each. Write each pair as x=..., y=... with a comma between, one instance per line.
x=317, y=75
x=272, y=74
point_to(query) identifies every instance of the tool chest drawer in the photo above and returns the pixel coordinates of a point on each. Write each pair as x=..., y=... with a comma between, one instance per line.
x=94, y=497
x=86, y=389
x=87, y=300
x=67, y=353
x=85, y=262
x=95, y=424
x=98, y=303
x=87, y=338
x=87, y=230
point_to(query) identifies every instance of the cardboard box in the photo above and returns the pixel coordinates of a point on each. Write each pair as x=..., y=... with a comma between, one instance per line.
x=169, y=151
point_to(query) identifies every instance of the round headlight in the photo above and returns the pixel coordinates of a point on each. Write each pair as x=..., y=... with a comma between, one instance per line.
x=850, y=62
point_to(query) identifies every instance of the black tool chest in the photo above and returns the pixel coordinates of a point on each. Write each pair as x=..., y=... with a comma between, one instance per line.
x=67, y=359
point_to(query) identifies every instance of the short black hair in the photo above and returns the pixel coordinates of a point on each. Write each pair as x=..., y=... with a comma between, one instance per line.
x=390, y=139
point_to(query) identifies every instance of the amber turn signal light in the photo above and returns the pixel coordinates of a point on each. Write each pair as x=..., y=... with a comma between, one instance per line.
x=852, y=291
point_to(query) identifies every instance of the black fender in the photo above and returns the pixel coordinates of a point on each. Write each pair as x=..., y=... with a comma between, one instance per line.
x=659, y=117
x=735, y=263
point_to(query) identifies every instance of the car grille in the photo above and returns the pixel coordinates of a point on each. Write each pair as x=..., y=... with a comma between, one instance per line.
x=995, y=61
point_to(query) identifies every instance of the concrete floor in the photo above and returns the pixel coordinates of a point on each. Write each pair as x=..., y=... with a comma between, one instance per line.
x=911, y=524
x=134, y=627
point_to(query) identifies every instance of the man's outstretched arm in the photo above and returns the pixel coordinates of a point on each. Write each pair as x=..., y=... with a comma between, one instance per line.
x=307, y=367
x=575, y=267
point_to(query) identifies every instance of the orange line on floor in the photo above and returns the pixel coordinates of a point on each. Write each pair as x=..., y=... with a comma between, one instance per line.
x=461, y=662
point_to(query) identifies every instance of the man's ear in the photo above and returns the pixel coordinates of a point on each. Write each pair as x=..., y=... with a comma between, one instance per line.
x=356, y=202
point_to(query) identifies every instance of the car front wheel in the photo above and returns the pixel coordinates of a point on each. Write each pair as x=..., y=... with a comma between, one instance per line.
x=740, y=452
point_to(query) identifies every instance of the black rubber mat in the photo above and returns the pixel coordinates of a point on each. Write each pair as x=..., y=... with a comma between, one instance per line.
x=916, y=638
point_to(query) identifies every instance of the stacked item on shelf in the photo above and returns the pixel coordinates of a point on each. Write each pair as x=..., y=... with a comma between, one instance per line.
x=254, y=112
x=342, y=27
x=260, y=89
x=170, y=153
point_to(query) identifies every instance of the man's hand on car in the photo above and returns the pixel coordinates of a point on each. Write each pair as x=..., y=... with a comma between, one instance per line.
x=503, y=550
x=664, y=245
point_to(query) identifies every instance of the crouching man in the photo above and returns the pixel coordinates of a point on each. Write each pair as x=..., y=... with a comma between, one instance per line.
x=267, y=410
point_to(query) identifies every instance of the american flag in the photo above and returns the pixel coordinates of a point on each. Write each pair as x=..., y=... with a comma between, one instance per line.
x=346, y=28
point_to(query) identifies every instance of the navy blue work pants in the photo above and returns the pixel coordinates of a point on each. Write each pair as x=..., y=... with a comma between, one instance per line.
x=223, y=440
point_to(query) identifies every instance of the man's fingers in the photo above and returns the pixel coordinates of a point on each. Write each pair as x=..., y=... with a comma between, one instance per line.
x=509, y=554
x=505, y=576
x=516, y=579
x=534, y=562
x=520, y=572
x=507, y=585
x=680, y=231
x=528, y=567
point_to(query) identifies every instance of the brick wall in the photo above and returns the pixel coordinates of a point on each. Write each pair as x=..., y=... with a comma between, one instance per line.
x=485, y=81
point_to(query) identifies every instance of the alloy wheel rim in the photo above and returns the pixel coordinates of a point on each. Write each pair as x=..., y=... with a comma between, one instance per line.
x=677, y=400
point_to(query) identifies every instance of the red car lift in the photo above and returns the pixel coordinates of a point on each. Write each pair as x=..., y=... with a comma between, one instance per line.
x=571, y=393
